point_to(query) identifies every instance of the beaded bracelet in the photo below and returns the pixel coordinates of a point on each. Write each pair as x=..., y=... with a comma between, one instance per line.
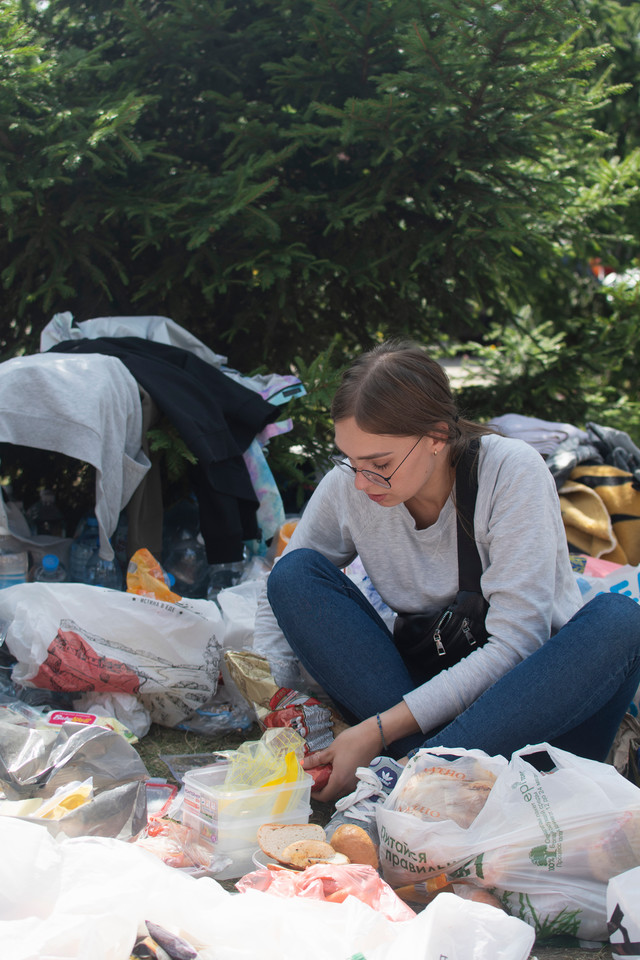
x=384, y=743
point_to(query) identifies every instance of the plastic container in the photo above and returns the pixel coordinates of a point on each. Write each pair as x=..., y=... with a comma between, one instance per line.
x=223, y=575
x=184, y=554
x=13, y=568
x=160, y=796
x=284, y=535
x=45, y=518
x=104, y=573
x=83, y=548
x=50, y=570
x=228, y=820
x=187, y=562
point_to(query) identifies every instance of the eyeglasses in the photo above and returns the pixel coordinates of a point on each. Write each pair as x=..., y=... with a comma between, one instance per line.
x=370, y=474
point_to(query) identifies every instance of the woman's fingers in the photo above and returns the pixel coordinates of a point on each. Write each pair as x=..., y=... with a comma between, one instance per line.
x=317, y=759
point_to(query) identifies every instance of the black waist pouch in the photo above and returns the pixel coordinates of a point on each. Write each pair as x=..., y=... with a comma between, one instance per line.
x=428, y=642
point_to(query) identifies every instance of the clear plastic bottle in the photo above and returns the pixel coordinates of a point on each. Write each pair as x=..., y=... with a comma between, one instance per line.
x=187, y=562
x=50, y=570
x=104, y=573
x=84, y=546
x=223, y=575
x=44, y=517
x=14, y=567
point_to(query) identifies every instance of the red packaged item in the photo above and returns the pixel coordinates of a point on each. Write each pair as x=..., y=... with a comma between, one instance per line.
x=332, y=883
x=308, y=717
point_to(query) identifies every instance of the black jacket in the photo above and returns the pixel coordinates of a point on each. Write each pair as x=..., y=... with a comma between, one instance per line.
x=217, y=418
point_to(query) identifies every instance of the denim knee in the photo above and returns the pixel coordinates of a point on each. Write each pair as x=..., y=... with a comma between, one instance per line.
x=612, y=619
x=614, y=609
x=290, y=570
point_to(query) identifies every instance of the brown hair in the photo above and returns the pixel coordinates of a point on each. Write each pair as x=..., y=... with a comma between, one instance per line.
x=396, y=389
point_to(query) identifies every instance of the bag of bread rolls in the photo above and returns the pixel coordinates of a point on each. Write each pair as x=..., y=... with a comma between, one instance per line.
x=546, y=844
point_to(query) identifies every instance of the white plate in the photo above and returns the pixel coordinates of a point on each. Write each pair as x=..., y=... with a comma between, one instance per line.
x=261, y=860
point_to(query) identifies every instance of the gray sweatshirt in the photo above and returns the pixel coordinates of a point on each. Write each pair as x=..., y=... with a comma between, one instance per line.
x=527, y=577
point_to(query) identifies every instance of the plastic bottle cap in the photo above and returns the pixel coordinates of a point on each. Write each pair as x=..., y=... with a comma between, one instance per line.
x=50, y=561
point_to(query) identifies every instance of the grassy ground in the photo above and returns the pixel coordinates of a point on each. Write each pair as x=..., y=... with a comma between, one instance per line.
x=166, y=741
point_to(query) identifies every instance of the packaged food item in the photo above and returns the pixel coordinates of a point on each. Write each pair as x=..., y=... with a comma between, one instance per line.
x=146, y=578
x=332, y=883
x=277, y=706
x=439, y=793
x=179, y=846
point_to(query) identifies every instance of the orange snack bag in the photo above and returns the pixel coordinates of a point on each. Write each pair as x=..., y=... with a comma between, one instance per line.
x=145, y=577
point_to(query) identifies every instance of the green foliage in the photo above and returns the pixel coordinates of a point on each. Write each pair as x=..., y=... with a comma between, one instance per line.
x=291, y=181
x=172, y=450
x=270, y=173
x=575, y=375
x=298, y=459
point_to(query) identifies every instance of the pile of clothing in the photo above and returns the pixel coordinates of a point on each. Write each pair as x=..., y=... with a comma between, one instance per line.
x=597, y=472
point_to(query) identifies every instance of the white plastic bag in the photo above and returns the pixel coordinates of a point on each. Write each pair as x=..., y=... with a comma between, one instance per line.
x=77, y=638
x=87, y=899
x=238, y=605
x=623, y=911
x=624, y=580
x=456, y=929
x=545, y=844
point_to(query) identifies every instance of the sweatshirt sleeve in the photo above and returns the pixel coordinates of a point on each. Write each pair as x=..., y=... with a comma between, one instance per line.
x=527, y=578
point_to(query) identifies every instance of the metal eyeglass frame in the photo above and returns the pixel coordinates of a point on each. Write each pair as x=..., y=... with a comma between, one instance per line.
x=371, y=475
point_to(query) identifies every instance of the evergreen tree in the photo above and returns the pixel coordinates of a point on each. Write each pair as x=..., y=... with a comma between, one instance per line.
x=270, y=173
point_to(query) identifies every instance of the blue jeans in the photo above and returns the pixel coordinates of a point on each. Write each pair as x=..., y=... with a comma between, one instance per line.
x=572, y=692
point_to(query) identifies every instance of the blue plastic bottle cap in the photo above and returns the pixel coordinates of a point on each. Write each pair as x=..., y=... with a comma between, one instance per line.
x=50, y=561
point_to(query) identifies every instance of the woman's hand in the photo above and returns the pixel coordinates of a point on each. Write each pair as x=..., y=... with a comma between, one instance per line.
x=354, y=747
x=357, y=746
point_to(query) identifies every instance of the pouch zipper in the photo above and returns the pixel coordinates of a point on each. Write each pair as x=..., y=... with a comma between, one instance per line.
x=437, y=636
x=465, y=626
x=466, y=629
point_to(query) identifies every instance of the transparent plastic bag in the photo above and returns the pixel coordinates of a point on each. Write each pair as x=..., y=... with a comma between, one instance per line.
x=77, y=638
x=545, y=843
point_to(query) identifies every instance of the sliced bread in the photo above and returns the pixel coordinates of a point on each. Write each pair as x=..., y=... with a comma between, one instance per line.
x=274, y=837
x=307, y=853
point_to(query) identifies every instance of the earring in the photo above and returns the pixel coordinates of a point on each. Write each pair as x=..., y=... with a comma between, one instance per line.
x=435, y=453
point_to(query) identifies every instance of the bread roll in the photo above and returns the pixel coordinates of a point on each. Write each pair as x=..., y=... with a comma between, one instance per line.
x=356, y=844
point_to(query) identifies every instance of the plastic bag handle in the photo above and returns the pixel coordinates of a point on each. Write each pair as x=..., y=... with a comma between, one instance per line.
x=457, y=752
x=561, y=758
x=534, y=748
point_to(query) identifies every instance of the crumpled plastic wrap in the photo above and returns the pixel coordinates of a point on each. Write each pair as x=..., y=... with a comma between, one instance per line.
x=277, y=706
x=38, y=761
